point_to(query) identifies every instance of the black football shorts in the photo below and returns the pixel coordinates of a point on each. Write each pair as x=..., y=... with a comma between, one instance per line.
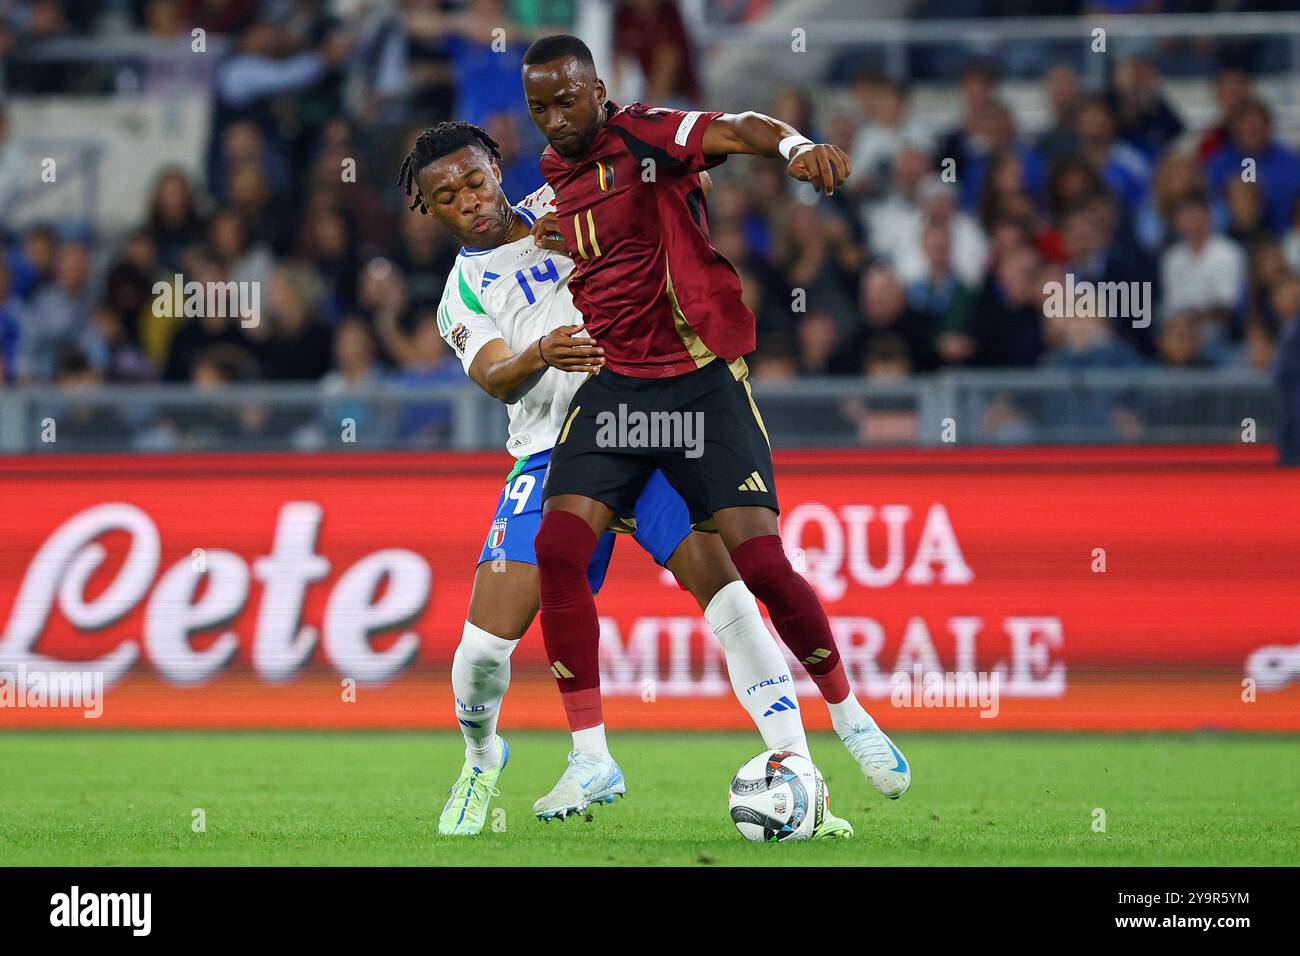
x=701, y=429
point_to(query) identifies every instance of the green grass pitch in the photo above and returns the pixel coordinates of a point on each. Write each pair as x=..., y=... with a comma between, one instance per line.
x=124, y=798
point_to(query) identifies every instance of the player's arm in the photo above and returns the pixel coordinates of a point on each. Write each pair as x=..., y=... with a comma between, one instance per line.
x=507, y=376
x=824, y=165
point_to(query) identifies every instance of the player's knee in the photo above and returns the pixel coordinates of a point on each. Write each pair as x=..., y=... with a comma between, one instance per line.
x=564, y=544
x=763, y=566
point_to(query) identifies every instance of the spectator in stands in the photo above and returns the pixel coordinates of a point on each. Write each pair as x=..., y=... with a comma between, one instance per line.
x=173, y=220
x=1061, y=138
x=1244, y=205
x=1177, y=175
x=298, y=346
x=1231, y=90
x=337, y=182
x=1143, y=117
x=424, y=257
x=885, y=309
x=151, y=330
x=1123, y=169
x=1007, y=318
x=883, y=421
x=33, y=261
x=244, y=144
x=125, y=361
x=11, y=323
x=83, y=424
x=263, y=67
x=975, y=92
x=58, y=319
x=897, y=211
x=1181, y=341
x=1257, y=350
x=520, y=173
x=265, y=218
x=794, y=105
x=424, y=359
x=995, y=134
x=198, y=332
x=653, y=34
x=1203, y=272
x=943, y=298
x=229, y=246
x=328, y=246
x=818, y=255
x=355, y=367
x=220, y=421
x=817, y=336
x=1276, y=168
x=1071, y=181
x=43, y=20
x=1087, y=341
x=128, y=296
x=966, y=240
x=888, y=131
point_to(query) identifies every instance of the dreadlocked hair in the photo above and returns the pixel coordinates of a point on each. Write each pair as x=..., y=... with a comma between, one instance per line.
x=436, y=142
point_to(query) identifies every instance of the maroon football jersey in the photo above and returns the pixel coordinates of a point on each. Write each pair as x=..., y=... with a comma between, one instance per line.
x=651, y=288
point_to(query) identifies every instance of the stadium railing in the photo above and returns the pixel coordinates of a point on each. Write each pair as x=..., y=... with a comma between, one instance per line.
x=962, y=407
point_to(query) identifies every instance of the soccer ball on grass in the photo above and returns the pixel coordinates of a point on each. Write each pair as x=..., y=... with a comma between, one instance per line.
x=776, y=797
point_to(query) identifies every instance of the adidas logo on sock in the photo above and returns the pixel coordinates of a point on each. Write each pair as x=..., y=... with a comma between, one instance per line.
x=782, y=705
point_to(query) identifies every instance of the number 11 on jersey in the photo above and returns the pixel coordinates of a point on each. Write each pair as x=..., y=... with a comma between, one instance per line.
x=591, y=234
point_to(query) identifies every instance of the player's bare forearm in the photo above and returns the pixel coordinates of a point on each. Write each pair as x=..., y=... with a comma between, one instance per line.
x=748, y=133
x=824, y=165
x=508, y=376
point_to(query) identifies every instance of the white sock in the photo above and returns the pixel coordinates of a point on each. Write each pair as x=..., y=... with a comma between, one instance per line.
x=591, y=741
x=757, y=668
x=848, y=712
x=480, y=674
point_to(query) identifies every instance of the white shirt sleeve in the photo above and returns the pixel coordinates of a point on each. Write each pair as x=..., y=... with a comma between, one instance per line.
x=462, y=320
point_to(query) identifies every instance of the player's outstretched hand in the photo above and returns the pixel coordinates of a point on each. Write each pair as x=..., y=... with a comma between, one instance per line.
x=546, y=234
x=823, y=165
x=562, y=348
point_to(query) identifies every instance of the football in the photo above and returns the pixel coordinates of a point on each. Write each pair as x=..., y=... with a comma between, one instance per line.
x=777, y=796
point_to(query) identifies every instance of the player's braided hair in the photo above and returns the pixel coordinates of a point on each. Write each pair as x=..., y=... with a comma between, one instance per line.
x=436, y=142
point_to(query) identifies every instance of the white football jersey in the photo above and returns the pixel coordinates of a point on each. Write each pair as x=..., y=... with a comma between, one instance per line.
x=516, y=292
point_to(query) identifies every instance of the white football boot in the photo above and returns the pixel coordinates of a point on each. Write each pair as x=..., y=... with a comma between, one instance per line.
x=882, y=763
x=585, y=781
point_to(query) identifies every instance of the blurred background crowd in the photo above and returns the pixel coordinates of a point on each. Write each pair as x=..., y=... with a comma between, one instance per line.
x=959, y=214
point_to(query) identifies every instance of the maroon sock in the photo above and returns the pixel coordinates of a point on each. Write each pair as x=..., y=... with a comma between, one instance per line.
x=795, y=611
x=570, y=628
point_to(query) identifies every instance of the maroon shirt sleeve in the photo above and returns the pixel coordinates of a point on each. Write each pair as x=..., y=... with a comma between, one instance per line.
x=677, y=133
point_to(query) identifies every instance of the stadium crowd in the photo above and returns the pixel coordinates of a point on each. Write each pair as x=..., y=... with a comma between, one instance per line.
x=939, y=255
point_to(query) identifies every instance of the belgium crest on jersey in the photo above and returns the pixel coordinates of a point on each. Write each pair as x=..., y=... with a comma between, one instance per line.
x=605, y=176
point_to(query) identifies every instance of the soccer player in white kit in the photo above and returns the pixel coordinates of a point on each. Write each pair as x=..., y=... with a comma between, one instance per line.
x=508, y=314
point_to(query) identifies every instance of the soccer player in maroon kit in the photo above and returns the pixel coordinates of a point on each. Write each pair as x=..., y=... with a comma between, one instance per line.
x=666, y=308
